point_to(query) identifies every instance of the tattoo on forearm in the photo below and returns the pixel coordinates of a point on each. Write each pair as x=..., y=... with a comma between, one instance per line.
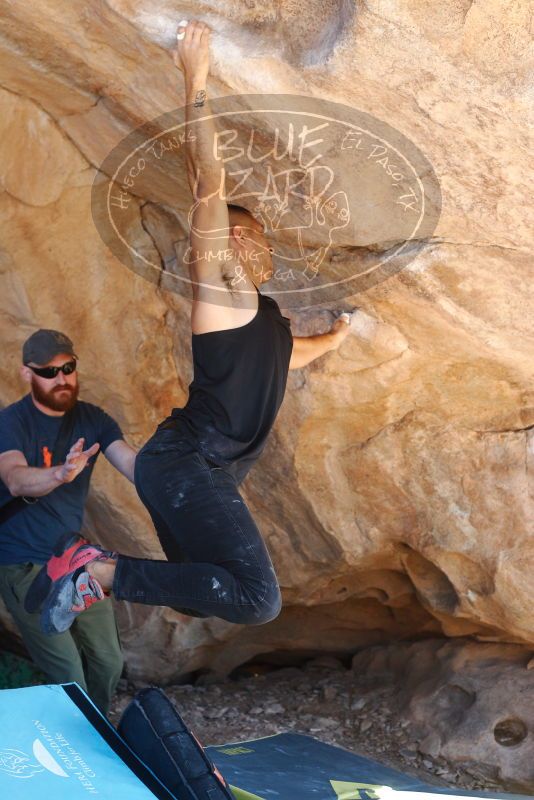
x=200, y=98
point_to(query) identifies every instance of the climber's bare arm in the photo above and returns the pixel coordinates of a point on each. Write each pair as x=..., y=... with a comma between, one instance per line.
x=307, y=348
x=205, y=172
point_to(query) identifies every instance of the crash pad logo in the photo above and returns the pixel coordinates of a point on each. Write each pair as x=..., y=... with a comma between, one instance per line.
x=18, y=764
x=345, y=200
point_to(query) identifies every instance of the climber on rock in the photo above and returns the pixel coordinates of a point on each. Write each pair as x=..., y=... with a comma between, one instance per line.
x=189, y=472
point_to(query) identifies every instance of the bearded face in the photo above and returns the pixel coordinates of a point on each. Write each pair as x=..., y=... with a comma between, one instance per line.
x=59, y=393
x=56, y=398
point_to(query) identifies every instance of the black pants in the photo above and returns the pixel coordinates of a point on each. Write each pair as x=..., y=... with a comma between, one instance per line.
x=218, y=564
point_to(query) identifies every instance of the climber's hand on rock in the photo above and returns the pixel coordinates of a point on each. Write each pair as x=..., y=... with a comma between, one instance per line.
x=340, y=330
x=192, y=53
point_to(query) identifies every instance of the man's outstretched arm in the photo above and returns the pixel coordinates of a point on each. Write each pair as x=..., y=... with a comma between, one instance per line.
x=307, y=348
x=23, y=480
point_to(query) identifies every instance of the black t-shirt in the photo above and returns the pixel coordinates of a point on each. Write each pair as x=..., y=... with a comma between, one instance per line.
x=238, y=386
x=30, y=535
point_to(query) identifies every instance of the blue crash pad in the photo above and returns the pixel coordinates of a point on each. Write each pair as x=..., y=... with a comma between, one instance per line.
x=290, y=766
x=54, y=743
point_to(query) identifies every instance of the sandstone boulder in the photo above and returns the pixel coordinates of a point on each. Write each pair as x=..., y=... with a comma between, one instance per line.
x=393, y=492
x=469, y=703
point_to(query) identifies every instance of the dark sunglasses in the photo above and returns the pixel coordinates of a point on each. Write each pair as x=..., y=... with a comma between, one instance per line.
x=51, y=372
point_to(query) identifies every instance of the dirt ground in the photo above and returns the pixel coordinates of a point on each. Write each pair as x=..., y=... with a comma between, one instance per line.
x=323, y=699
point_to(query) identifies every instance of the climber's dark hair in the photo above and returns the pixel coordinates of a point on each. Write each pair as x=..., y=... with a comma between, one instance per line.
x=238, y=211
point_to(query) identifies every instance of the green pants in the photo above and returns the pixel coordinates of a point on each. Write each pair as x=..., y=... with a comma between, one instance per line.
x=88, y=653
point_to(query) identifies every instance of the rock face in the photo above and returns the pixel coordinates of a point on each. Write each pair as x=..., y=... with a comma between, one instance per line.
x=393, y=491
x=470, y=704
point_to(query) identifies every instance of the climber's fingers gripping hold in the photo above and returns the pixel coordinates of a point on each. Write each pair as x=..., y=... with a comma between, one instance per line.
x=192, y=52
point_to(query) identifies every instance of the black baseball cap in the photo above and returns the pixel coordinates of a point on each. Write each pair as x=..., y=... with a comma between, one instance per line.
x=43, y=345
